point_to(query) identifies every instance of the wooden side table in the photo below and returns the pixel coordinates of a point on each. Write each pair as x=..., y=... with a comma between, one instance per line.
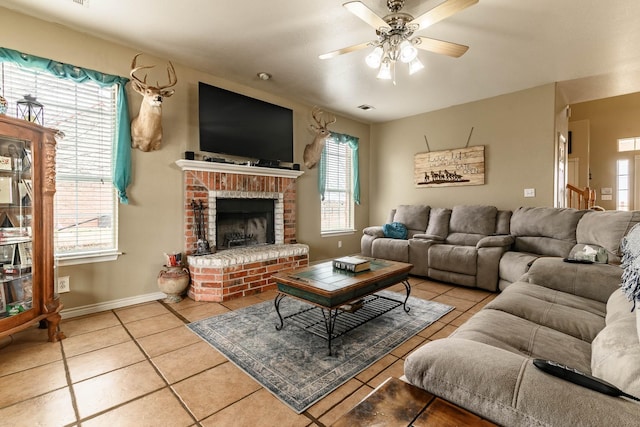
x=396, y=403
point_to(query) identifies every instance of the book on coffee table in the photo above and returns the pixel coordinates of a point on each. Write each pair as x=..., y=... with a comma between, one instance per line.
x=352, y=263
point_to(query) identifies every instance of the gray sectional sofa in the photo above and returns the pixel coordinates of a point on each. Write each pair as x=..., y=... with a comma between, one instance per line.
x=484, y=247
x=571, y=313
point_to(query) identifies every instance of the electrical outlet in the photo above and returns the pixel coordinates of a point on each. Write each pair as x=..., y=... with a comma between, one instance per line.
x=63, y=284
x=339, y=243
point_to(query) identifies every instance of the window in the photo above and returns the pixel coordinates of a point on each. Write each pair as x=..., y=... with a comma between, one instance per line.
x=337, y=207
x=623, y=185
x=85, y=204
x=629, y=144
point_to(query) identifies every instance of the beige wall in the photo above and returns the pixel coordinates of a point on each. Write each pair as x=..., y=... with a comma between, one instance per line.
x=609, y=119
x=517, y=131
x=152, y=223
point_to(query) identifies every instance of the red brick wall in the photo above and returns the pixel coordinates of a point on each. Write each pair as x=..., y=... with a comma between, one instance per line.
x=197, y=185
x=225, y=283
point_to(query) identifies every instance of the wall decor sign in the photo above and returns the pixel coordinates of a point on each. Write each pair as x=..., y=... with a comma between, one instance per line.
x=462, y=166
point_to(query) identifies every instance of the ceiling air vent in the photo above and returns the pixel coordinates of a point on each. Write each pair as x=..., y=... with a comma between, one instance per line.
x=365, y=107
x=84, y=3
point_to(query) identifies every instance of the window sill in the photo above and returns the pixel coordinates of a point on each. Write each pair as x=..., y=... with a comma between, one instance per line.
x=338, y=233
x=87, y=258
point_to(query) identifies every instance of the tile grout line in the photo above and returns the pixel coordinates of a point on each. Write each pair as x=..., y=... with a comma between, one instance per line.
x=72, y=392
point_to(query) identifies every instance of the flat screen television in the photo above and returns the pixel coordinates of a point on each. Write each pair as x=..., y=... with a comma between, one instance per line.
x=238, y=125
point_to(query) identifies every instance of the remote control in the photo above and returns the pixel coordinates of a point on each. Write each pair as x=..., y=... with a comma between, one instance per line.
x=580, y=378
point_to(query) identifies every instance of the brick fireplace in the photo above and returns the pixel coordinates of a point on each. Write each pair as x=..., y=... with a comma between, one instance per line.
x=234, y=272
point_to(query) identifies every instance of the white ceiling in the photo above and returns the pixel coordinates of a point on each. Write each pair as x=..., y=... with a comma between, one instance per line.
x=513, y=45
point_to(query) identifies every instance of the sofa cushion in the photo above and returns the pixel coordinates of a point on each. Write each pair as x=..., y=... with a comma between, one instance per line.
x=439, y=223
x=508, y=389
x=456, y=259
x=615, y=352
x=605, y=229
x=503, y=219
x=391, y=249
x=592, y=281
x=569, y=314
x=526, y=338
x=473, y=219
x=414, y=217
x=545, y=231
x=514, y=264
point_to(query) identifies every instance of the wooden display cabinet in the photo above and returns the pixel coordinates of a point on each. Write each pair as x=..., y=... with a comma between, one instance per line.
x=27, y=185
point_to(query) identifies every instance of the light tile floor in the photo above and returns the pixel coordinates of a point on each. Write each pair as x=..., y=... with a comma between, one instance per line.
x=140, y=366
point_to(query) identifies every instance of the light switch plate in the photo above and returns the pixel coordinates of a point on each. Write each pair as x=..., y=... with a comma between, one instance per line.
x=529, y=192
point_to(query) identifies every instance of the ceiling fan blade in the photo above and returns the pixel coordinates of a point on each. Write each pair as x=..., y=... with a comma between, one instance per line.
x=442, y=11
x=438, y=46
x=335, y=53
x=367, y=15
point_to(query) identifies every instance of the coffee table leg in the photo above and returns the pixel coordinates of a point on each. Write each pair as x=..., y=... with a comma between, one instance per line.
x=276, y=302
x=407, y=286
x=330, y=323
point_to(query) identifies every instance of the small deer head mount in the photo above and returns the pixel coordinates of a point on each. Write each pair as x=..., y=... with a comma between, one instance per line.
x=146, y=128
x=313, y=151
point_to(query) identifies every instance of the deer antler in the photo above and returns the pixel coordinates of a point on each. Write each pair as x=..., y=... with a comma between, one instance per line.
x=171, y=72
x=318, y=114
x=173, y=79
x=135, y=69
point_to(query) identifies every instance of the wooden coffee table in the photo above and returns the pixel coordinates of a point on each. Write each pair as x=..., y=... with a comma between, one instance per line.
x=339, y=300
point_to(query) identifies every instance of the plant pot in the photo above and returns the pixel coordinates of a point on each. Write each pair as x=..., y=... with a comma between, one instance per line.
x=173, y=281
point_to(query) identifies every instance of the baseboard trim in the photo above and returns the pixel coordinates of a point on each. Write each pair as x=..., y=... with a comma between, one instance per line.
x=110, y=305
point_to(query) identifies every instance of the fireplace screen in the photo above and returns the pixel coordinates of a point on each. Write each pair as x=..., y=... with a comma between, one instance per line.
x=244, y=222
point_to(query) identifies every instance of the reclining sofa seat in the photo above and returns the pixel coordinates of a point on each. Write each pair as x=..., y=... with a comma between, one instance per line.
x=462, y=245
x=470, y=254
x=561, y=232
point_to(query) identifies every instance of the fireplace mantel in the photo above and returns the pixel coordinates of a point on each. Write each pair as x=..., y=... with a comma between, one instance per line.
x=198, y=165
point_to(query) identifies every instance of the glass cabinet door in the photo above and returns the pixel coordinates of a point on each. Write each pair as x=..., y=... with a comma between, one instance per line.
x=16, y=196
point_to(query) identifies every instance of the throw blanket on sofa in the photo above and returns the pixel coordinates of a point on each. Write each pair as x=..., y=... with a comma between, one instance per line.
x=395, y=230
x=631, y=264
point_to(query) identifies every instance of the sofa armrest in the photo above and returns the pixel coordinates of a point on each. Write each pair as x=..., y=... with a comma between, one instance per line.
x=508, y=389
x=375, y=231
x=495, y=241
x=593, y=281
x=428, y=237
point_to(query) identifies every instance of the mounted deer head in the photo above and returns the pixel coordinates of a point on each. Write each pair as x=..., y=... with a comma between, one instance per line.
x=146, y=128
x=313, y=151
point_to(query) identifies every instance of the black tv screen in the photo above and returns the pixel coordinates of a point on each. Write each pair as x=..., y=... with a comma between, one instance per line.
x=237, y=125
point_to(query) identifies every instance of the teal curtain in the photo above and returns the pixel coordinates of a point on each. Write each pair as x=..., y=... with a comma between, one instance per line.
x=341, y=138
x=122, y=140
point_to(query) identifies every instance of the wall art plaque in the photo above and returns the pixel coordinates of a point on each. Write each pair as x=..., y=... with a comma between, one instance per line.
x=462, y=166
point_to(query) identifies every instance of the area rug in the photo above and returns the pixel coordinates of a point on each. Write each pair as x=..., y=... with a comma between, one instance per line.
x=293, y=364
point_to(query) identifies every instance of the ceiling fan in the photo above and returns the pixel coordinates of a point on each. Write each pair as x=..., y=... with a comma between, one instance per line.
x=394, y=33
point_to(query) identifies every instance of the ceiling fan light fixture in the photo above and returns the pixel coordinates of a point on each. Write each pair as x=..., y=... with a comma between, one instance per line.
x=374, y=59
x=415, y=66
x=385, y=70
x=408, y=51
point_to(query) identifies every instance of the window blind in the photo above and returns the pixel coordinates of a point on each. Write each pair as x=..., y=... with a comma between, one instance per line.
x=337, y=206
x=85, y=208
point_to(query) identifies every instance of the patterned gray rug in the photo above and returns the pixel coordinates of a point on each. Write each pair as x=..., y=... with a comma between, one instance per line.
x=293, y=364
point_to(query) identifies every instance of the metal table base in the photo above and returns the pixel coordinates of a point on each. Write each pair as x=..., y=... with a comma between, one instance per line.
x=330, y=323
